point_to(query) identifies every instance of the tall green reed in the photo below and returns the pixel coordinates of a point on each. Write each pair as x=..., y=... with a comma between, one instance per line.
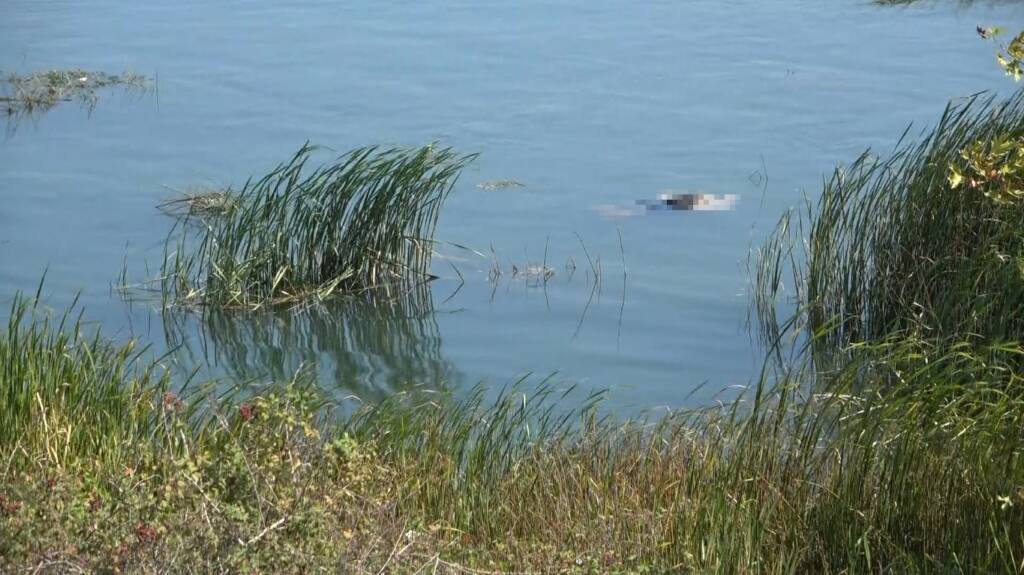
x=903, y=328
x=365, y=221
x=840, y=476
x=892, y=246
x=68, y=389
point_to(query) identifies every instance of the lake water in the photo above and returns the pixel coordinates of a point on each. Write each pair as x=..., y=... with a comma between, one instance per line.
x=587, y=103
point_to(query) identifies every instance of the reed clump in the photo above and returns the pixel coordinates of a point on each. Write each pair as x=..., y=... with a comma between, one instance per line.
x=926, y=242
x=365, y=221
x=56, y=376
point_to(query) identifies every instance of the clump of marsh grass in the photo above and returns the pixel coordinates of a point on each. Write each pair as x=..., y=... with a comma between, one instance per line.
x=39, y=92
x=919, y=243
x=67, y=389
x=365, y=221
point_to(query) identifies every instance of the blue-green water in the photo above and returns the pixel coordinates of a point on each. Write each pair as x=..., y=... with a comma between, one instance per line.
x=586, y=103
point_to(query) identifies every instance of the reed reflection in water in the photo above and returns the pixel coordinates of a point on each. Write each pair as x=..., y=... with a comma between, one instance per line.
x=367, y=347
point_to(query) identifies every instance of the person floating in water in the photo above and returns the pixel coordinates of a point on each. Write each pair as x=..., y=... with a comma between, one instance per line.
x=673, y=202
x=690, y=202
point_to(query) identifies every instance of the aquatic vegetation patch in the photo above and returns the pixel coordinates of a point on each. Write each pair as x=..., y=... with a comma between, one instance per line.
x=362, y=222
x=39, y=92
x=926, y=242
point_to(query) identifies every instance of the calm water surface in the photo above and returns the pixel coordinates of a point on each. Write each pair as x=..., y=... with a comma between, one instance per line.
x=588, y=103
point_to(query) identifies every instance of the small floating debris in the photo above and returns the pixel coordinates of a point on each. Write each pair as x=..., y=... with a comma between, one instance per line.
x=541, y=272
x=200, y=203
x=672, y=202
x=25, y=94
x=493, y=185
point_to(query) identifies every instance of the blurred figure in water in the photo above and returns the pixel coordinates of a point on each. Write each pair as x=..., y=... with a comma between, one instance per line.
x=673, y=202
x=697, y=202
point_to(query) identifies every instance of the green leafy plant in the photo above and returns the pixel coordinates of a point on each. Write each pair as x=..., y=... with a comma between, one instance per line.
x=994, y=167
x=1010, y=56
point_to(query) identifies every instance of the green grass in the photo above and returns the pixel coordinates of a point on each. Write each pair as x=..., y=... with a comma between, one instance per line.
x=56, y=375
x=892, y=247
x=363, y=222
x=906, y=462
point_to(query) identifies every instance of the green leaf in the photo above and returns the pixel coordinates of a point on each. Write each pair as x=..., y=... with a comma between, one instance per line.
x=955, y=177
x=1016, y=47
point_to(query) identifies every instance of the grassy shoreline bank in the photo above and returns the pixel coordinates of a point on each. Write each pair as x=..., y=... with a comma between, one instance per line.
x=105, y=469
